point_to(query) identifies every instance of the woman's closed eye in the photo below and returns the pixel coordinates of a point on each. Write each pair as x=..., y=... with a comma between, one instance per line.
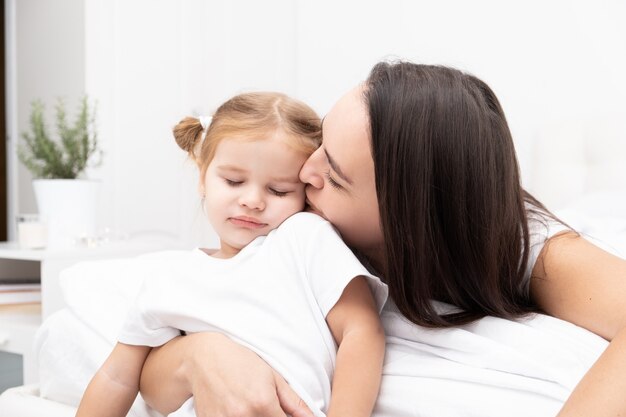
x=332, y=181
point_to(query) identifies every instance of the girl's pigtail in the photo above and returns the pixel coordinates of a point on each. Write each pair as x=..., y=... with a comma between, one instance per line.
x=188, y=134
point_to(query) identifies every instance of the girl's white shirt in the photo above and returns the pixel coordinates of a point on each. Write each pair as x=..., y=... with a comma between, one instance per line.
x=272, y=297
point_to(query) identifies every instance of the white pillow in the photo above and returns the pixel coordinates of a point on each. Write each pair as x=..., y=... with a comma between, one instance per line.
x=74, y=342
x=100, y=292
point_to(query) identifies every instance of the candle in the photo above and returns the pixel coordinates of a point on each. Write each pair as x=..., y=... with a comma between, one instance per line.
x=31, y=232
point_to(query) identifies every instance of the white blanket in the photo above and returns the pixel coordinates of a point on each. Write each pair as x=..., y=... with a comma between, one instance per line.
x=492, y=367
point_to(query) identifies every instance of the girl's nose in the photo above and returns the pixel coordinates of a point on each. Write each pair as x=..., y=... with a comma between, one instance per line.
x=252, y=199
x=311, y=172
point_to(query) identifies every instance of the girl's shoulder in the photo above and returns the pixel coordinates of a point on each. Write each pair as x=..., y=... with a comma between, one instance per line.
x=302, y=230
x=303, y=220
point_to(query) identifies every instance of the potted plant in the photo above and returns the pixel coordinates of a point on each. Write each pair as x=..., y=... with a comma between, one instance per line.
x=67, y=202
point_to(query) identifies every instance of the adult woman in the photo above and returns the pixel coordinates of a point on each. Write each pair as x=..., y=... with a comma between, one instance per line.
x=417, y=171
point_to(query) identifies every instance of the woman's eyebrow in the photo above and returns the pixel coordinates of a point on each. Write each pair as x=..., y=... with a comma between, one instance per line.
x=336, y=168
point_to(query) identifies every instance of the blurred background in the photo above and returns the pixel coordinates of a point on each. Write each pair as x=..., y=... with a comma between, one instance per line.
x=557, y=66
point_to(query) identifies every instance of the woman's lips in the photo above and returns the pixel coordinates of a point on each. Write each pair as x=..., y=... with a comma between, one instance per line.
x=246, y=222
x=311, y=208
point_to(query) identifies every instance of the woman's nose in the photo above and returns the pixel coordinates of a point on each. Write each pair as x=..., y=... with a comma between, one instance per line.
x=252, y=199
x=311, y=172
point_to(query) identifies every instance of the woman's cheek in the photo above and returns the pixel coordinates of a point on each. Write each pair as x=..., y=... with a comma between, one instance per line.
x=345, y=221
x=361, y=229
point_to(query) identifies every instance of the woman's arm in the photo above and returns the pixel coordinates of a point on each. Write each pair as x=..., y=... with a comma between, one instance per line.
x=114, y=387
x=355, y=325
x=576, y=281
x=225, y=378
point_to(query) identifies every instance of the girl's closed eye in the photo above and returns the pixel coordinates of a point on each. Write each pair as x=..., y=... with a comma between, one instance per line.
x=332, y=181
x=233, y=183
x=278, y=193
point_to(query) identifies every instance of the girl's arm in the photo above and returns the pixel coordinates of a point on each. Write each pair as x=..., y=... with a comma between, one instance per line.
x=225, y=378
x=356, y=326
x=114, y=387
x=576, y=281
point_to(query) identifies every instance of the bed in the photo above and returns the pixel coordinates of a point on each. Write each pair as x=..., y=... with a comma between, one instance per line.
x=534, y=362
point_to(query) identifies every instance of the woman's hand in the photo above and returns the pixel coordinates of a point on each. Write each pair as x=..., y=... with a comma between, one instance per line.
x=225, y=378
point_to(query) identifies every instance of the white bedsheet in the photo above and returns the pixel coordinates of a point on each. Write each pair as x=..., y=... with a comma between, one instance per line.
x=24, y=401
x=492, y=367
x=70, y=352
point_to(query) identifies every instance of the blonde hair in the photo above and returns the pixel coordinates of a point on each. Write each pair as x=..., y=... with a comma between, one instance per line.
x=250, y=116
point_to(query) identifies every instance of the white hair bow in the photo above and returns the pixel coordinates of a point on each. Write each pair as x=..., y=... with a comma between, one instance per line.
x=205, y=121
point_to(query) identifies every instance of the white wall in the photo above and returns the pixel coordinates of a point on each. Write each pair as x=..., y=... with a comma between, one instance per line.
x=45, y=60
x=558, y=68
x=148, y=70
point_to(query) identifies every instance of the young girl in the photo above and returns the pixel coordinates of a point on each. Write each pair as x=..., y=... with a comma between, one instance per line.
x=282, y=284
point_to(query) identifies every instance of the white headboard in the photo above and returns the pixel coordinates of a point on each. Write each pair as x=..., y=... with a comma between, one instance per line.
x=576, y=159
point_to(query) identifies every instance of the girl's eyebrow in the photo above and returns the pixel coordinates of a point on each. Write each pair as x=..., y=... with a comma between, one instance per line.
x=231, y=168
x=291, y=180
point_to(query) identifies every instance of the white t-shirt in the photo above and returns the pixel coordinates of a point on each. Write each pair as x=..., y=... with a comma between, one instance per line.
x=272, y=297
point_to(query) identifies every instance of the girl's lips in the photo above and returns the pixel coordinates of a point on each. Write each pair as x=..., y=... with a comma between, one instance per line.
x=246, y=222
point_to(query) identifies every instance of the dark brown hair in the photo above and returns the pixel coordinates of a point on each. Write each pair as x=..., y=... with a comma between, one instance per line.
x=453, y=212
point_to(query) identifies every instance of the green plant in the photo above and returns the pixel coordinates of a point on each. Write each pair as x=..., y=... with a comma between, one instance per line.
x=66, y=157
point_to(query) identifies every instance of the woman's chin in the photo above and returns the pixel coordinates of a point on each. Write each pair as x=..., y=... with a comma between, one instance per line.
x=312, y=209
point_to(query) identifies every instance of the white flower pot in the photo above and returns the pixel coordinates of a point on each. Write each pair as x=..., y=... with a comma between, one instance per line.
x=69, y=209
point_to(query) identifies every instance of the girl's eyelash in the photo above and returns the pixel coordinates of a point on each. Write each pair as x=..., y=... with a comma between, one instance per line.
x=278, y=193
x=232, y=183
x=331, y=181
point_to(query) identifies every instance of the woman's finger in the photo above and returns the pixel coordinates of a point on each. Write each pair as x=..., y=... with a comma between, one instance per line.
x=290, y=402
